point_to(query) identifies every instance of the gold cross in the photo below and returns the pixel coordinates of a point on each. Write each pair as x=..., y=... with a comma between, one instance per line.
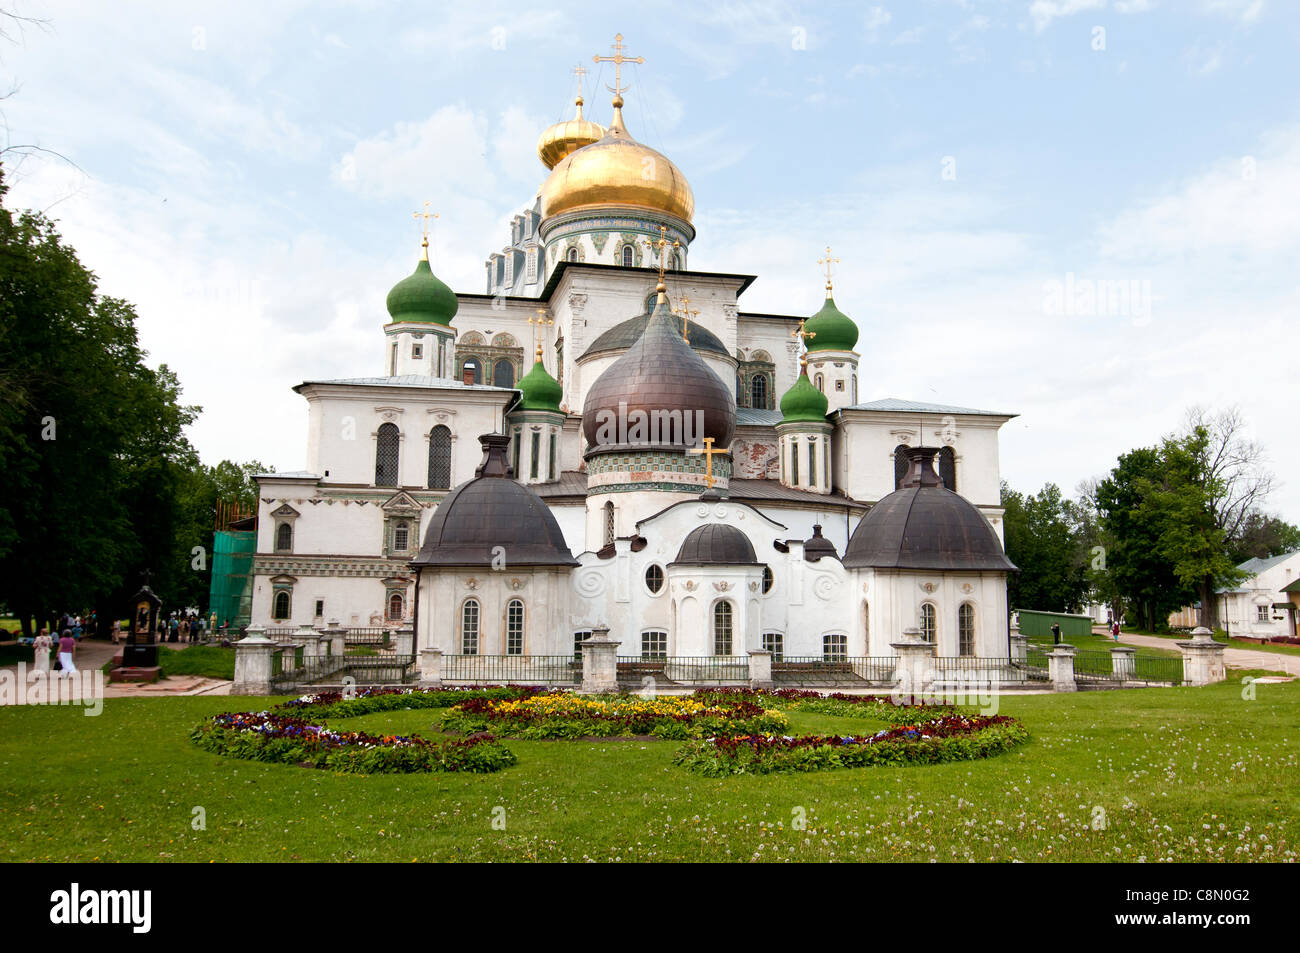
x=687, y=314
x=618, y=59
x=580, y=71
x=708, y=451
x=663, y=246
x=828, y=261
x=424, y=227
x=541, y=321
x=799, y=333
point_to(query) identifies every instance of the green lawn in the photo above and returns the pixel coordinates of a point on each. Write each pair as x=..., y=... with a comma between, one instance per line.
x=1221, y=636
x=210, y=661
x=1181, y=774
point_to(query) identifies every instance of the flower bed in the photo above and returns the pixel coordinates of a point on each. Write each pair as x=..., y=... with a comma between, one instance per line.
x=367, y=700
x=882, y=708
x=946, y=738
x=566, y=715
x=263, y=736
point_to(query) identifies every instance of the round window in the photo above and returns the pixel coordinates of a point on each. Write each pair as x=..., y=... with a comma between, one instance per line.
x=654, y=578
x=769, y=580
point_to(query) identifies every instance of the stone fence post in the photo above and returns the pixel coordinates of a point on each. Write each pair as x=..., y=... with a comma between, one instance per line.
x=431, y=668
x=253, y=663
x=599, y=662
x=406, y=641
x=1203, y=658
x=1019, y=646
x=1121, y=661
x=760, y=670
x=915, y=672
x=1060, y=668
x=337, y=636
x=311, y=641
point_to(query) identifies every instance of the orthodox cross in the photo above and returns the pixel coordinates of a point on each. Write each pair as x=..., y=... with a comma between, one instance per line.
x=618, y=59
x=145, y=576
x=687, y=314
x=541, y=321
x=805, y=336
x=828, y=261
x=580, y=71
x=708, y=451
x=424, y=226
x=663, y=247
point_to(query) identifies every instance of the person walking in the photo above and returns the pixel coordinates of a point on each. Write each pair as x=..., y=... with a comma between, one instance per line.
x=67, y=645
x=1114, y=630
x=1056, y=634
x=41, y=652
x=117, y=632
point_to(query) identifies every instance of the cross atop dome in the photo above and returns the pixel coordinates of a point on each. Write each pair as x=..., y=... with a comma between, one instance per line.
x=618, y=59
x=828, y=261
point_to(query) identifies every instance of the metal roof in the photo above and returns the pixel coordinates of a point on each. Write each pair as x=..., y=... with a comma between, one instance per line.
x=756, y=417
x=1255, y=565
x=898, y=405
x=412, y=380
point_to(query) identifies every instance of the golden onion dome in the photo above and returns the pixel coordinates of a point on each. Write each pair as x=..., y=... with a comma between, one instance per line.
x=566, y=137
x=617, y=171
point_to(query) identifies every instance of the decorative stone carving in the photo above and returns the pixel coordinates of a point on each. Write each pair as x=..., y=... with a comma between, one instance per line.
x=967, y=587
x=753, y=587
x=471, y=583
x=927, y=587
x=722, y=586
x=690, y=585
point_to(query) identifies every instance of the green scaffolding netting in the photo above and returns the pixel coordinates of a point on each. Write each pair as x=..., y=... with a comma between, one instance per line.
x=230, y=596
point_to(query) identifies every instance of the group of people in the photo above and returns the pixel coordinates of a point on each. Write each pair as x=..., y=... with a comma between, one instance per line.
x=42, y=646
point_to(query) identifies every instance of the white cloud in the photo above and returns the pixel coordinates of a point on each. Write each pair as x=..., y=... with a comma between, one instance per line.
x=446, y=152
x=876, y=18
x=1043, y=12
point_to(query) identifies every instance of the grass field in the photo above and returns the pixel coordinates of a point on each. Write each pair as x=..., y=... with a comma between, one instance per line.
x=1177, y=774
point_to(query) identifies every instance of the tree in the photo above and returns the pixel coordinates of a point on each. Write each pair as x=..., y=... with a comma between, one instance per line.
x=1263, y=536
x=1044, y=539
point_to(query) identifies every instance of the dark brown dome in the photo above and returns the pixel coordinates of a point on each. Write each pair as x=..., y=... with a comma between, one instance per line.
x=659, y=373
x=493, y=511
x=816, y=546
x=716, y=544
x=923, y=525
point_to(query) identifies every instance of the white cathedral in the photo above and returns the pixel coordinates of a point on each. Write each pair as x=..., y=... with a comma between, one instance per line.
x=701, y=479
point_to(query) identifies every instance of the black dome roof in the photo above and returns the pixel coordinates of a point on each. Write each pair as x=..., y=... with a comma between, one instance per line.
x=659, y=374
x=622, y=336
x=816, y=546
x=493, y=510
x=716, y=544
x=924, y=525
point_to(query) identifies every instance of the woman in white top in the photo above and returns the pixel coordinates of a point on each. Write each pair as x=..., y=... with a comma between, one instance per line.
x=41, y=649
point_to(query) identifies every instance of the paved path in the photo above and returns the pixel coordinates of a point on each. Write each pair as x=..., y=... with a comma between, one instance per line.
x=91, y=656
x=1232, y=657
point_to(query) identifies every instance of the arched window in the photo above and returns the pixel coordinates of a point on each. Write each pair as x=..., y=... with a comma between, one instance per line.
x=948, y=468
x=572, y=254
x=812, y=461
x=472, y=364
x=284, y=538
x=515, y=627
x=821, y=383
x=900, y=464
x=758, y=392
x=469, y=627
x=966, y=629
x=866, y=625
x=722, y=615
x=929, y=623
x=835, y=648
x=386, y=455
x=395, y=607
x=769, y=580
x=609, y=523
x=794, y=462
x=654, y=578
x=282, y=606
x=439, y=458
x=503, y=373
x=627, y=256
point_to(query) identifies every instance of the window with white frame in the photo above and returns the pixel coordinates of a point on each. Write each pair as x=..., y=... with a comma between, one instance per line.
x=654, y=578
x=722, y=623
x=1261, y=613
x=966, y=629
x=469, y=619
x=835, y=647
x=654, y=644
x=929, y=622
x=515, y=627
x=774, y=642
x=582, y=635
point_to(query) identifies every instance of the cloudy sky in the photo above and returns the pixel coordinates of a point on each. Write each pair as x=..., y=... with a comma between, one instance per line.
x=1081, y=211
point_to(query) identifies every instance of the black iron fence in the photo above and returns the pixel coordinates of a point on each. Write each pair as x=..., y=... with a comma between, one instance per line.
x=521, y=669
x=684, y=670
x=794, y=671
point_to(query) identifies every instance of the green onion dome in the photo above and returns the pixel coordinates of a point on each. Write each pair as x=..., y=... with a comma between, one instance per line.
x=803, y=402
x=834, y=330
x=422, y=297
x=540, y=390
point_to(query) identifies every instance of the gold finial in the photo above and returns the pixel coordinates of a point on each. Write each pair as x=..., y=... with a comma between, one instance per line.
x=828, y=261
x=541, y=322
x=618, y=59
x=803, y=337
x=687, y=314
x=663, y=247
x=579, y=71
x=708, y=452
x=424, y=228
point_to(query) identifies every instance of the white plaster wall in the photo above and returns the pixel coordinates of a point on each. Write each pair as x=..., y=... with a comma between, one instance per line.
x=835, y=366
x=545, y=593
x=894, y=598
